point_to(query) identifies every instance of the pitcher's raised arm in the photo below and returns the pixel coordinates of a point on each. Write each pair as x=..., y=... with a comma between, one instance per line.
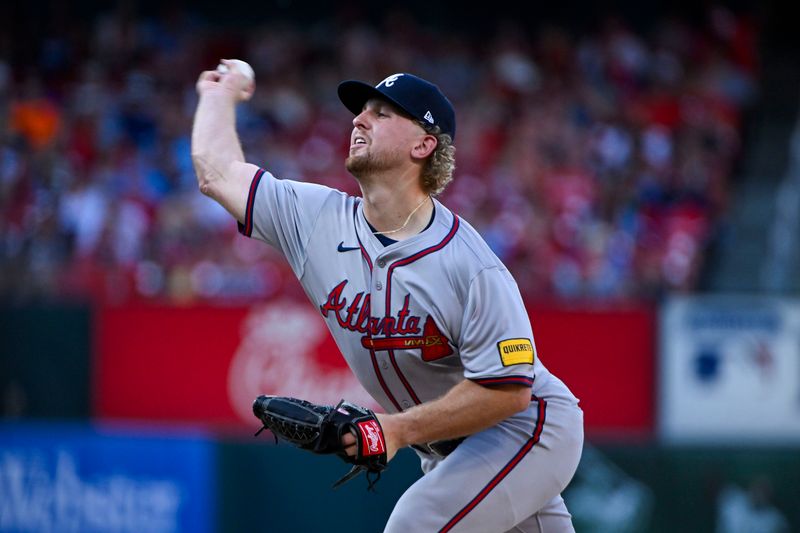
x=219, y=163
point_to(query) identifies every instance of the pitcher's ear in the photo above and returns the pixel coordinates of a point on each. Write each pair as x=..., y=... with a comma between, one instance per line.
x=425, y=146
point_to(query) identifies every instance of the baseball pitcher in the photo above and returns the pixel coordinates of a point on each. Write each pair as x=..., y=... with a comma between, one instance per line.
x=426, y=316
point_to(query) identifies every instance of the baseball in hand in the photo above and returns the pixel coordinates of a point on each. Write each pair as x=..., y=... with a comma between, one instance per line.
x=241, y=66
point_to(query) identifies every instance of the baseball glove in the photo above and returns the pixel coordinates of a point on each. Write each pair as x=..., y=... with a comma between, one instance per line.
x=319, y=429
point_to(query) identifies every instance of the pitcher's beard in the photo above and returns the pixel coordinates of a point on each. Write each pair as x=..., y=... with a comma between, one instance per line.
x=362, y=166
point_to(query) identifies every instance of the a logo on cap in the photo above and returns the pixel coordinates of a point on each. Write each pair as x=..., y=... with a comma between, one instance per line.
x=388, y=82
x=429, y=117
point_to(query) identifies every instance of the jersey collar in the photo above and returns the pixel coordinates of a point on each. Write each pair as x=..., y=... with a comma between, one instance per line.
x=442, y=221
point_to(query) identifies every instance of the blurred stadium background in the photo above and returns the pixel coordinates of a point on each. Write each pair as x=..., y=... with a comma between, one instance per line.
x=637, y=167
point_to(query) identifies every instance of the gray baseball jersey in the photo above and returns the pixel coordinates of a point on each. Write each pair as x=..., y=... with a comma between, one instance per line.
x=412, y=320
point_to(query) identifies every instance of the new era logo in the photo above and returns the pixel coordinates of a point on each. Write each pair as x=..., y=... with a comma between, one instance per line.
x=429, y=117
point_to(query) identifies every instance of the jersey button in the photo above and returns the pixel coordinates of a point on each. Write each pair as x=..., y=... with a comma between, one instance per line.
x=385, y=365
x=381, y=263
x=379, y=285
x=406, y=404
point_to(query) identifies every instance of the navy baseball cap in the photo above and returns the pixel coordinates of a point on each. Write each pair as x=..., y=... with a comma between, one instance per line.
x=419, y=98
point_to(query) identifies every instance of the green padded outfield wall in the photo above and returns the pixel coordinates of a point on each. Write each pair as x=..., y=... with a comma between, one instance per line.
x=264, y=488
x=279, y=489
x=44, y=361
x=659, y=489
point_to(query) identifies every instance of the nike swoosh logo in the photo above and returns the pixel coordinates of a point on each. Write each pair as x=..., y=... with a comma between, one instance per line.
x=343, y=248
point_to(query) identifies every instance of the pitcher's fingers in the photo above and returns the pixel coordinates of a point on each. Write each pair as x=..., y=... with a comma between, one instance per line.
x=210, y=75
x=348, y=439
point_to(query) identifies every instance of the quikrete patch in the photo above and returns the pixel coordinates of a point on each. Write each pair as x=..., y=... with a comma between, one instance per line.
x=516, y=351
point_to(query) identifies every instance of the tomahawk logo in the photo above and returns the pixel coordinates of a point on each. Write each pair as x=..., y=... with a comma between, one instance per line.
x=372, y=437
x=432, y=343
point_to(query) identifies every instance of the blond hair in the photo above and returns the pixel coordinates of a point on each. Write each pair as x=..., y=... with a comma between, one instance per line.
x=438, y=169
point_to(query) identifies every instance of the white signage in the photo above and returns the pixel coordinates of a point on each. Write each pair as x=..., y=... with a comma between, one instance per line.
x=730, y=370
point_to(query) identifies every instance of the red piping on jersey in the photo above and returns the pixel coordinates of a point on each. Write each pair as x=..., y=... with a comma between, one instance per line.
x=246, y=229
x=537, y=433
x=503, y=380
x=406, y=384
x=403, y=262
x=372, y=355
x=383, y=383
x=364, y=253
x=410, y=259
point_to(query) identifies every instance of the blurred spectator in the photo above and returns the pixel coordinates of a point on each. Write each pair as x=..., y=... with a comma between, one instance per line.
x=596, y=165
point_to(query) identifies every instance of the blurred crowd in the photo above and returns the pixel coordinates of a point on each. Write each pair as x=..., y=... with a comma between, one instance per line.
x=596, y=164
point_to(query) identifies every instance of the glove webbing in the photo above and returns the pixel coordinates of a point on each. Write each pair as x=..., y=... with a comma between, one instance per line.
x=356, y=470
